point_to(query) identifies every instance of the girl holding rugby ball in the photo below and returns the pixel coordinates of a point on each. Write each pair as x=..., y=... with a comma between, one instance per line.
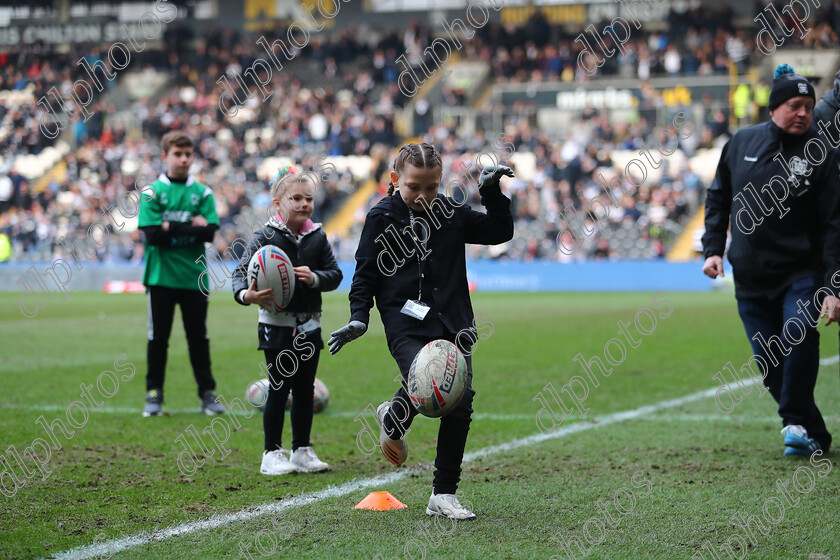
x=291, y=338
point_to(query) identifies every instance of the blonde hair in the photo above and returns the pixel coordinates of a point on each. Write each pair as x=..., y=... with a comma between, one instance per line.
x=423, y=156
x=281, y=184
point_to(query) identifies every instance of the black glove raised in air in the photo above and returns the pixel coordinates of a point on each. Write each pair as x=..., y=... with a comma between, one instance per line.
x=488, y=181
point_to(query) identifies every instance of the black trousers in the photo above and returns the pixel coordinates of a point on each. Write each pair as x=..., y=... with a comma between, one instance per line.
x=161, y=302
x=292, y=366
x=454, y=427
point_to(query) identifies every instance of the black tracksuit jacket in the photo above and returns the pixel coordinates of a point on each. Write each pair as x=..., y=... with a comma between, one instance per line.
x=313, y=251
x=390, y=274
x=770, y=251
x=826, y=111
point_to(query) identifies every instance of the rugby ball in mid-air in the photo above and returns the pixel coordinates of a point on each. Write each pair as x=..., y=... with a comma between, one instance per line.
x=437, y=378
x=272, y=268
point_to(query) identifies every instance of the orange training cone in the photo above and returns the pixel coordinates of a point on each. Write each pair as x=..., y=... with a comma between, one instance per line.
x=380, y=501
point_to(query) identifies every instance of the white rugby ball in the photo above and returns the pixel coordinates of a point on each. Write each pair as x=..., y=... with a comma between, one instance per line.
x=320, y=396
x=272, y=268
x=257, y=393
x=437, y=378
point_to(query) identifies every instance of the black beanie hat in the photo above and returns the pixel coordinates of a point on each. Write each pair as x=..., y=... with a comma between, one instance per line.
x=787, y=84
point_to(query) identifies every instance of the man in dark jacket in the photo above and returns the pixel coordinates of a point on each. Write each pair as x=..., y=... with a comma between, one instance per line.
x=825, y=114
x=779, y=185
x=826, y=121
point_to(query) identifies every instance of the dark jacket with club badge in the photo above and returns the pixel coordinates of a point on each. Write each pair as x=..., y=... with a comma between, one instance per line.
x=778, y=239
x=826, y=112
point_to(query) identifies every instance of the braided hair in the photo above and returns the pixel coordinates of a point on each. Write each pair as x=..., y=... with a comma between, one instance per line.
x=423, y=156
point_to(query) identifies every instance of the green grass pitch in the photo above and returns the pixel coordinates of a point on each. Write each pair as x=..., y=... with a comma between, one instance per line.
x=663, y=483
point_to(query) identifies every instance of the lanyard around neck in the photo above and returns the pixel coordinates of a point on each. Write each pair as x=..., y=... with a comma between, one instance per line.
x=421, y=257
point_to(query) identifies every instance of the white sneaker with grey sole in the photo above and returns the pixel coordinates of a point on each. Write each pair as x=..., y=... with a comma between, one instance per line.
x=305, y=460
x=276, y=462
x=447, y=505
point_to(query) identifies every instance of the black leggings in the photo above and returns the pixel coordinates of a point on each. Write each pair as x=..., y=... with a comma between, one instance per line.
x=452, y=434
x=291, y=369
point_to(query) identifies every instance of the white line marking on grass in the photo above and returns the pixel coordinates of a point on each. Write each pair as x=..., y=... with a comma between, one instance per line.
x=589, y=424
x=830, y=361
x=714, y=418
x=146, y=537
x=111, y=409
x=743, y=419
x=138, y=410
x=477, y=416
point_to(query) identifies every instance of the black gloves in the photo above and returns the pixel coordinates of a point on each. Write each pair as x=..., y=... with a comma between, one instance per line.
x=488, y=180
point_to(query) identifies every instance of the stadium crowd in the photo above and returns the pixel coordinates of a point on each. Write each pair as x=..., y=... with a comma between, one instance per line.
x=699, y=41
x=337, y=97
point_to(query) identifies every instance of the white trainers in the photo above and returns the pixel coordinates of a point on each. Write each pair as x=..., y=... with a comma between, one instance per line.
x=305, y=460
x=276, y=462
x=447, y=505
x=395, y=450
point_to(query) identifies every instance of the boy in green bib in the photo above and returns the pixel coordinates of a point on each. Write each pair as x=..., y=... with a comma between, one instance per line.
x=177, y=219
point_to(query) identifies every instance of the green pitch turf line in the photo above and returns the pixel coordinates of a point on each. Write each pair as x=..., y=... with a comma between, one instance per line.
x=147, y=537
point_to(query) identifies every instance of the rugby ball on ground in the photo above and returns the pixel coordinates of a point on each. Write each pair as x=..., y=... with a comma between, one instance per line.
x=320, y=397
x=272, y=268
x=257, y=393
x=437, y=378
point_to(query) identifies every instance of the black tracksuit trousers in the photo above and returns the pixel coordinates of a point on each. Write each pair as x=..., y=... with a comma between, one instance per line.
x=452, y=434
x=161, y=304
